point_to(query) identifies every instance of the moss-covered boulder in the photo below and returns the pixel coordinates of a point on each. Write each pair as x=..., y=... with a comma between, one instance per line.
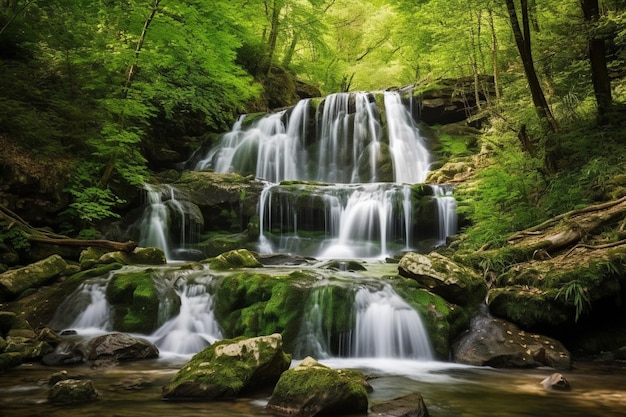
x=253, y=304
x=228, y=367
x=140, y=256
x=560, y=290
x=16, y=281
x=312, y=389
x=240, y=258
x=500, y=344
x=135, y=301
x=441, y=275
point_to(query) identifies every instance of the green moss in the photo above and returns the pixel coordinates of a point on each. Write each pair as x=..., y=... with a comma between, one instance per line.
x=252, y=304
x=135, y=300
x=240, y=258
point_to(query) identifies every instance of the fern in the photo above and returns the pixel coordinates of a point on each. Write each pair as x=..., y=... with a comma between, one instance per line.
x=577, y=294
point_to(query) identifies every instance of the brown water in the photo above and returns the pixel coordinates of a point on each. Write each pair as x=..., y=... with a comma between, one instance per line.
x=133, y=389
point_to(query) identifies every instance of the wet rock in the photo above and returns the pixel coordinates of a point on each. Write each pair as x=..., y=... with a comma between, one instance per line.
x=72, y=391
x=240, y=258
x=66, y=353
x=62, y=376
x=411, y=405
x=444, y=277
x=556, y=381
x=500, y=344
x=284, y=259
x=120, y=347
x=224, y=369
x=312, y=389
x=15, y=281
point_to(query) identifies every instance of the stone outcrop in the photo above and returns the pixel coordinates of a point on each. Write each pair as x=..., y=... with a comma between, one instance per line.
x=497, y=343
x=228, y=367
x=312, y=389
x=20, y=343
x=454, y=282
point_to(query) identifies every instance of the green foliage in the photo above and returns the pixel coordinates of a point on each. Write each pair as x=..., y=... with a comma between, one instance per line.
x=15, y=238
x=576, y=293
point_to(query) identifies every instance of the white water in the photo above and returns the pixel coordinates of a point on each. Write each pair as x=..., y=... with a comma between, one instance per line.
x=362, y=211
x=385, y=327
x=195, y=326
x=446, y=211
x=408, y=148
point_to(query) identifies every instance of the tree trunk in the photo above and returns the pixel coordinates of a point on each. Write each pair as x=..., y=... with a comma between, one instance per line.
x=107, y=244
x=274, y=26
x=597, y=58
x=522, y=40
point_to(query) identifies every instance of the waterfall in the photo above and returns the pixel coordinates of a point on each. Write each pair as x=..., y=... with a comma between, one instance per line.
x=384, y=326
x=86, y=308
x=164, y=215
x=360, y=203
x=195, y=326
x=446, y=212
x=409, y=152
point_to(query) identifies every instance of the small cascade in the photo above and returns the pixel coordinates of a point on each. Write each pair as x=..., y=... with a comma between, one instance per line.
x=86, y=308
x=446, y=211
x=165, y=223
x=195, y=326
x=386, y=326
x=383, y=326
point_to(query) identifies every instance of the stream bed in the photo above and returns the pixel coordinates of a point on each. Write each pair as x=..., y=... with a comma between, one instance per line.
x=133, y=389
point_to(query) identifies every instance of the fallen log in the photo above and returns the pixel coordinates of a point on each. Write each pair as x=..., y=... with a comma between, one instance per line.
x=100, y=243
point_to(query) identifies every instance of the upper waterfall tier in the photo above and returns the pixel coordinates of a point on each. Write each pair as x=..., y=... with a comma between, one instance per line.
x=344, y=140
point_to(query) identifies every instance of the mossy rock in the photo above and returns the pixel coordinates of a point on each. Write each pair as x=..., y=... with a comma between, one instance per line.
x=444, y=321
x=215, y=244
x=140, y=256
x=241, y=258
x=228, y=367
x=528, y=307
x=135, y=301
x=35, y=275
x=312, y=389
x=71, y=391
x=252, y=304
x=10, y=360
x=441, y=275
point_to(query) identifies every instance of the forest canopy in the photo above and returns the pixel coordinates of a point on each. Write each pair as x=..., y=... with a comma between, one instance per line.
x=99, y=80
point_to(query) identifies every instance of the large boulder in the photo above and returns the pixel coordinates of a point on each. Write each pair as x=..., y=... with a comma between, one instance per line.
x=441, y=275
x=15, y=281
x=312, y=389
x=224, y=369
x=500, y=344
x=114, y=347
x=135, y=301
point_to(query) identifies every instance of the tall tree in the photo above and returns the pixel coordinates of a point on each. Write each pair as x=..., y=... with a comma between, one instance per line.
x=523, y=41
x=597, y=58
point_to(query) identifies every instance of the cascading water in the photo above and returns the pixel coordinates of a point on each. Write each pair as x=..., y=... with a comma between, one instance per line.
x=185, y=331
x=383, y=326
x=446, y=209
x=165, y=222
x=360, y=204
